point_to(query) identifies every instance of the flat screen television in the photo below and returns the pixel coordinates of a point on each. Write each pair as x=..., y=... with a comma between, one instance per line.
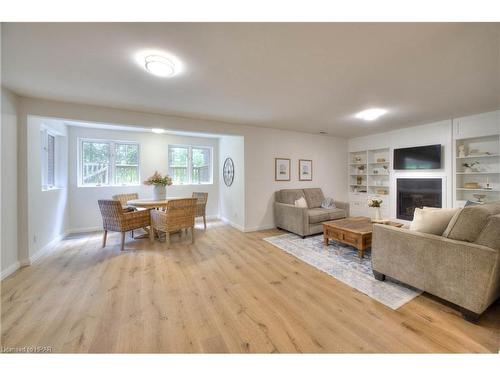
x=423, y=157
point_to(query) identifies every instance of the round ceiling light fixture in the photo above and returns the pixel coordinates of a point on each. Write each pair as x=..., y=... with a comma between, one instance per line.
x=159, y=66
x=159, y=63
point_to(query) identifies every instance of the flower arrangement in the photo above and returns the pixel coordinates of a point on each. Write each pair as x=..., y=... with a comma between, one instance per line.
x=158, y=179
x=374, y=202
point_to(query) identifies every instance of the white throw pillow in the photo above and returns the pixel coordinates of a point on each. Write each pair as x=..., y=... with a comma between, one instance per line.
x=432, y=220
x=301, y=202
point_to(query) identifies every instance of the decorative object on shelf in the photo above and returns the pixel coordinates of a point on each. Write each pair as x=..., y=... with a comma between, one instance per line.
x=487, y=187
x=361, y=169
x=375, y=203
x=358, y=159
x=359, y=180
x=471, y=185
x=160, y=184
x=479, y=197
x=461, y=151
x=305, y=170
x=386, y=168
x=375, y=171
x=381, y=191
x=228, y=171
x=381, y=160
x=281, y=169
x=468, y=166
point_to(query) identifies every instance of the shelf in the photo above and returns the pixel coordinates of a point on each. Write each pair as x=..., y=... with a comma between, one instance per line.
x=358, y=185
x=379, y=162
x=379, y=186
x=486, y=190
x=473, y=173
x=357, y=163
x=357, y=175
x=479, y=156
x=380, y=175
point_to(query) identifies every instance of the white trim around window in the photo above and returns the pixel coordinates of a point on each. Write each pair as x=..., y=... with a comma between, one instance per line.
x=189, y=166
x=107, y=167
x=48, y=160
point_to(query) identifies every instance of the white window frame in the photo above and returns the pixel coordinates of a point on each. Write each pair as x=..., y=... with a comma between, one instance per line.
x=111, y=178
x=45, y=133
x=190, y=163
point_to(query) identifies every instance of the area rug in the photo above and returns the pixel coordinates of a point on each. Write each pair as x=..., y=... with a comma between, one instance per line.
x=342, y=262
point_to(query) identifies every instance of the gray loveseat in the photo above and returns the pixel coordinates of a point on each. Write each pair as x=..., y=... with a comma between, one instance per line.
x=461, y=266
x=308, y=220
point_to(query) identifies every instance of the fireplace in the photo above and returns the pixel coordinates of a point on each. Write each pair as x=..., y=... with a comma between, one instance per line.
x=417, y=192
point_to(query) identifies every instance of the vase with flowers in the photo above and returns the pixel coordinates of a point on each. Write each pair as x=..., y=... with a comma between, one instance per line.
x=375, y=203
x=160, y=184
x=468, y=166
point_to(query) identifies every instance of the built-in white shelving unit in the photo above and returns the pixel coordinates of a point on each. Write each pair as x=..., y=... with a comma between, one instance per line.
x=369, y=172
x=477, y=168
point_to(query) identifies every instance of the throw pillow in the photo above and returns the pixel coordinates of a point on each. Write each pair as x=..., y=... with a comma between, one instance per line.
x=328, y=203
x=432, y=221
x=301, y=202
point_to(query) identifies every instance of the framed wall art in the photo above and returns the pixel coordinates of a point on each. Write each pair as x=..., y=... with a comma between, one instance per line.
x=305, y=170
x=281, y=169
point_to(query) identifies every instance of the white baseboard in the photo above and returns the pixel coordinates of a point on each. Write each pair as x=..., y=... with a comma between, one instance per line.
x=246, y=229
x=41, y=252
x=234, y=225
x=84, y=230
x=262, y=227
x=10, y=270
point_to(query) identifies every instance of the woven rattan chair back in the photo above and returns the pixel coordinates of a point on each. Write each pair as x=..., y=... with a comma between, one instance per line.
x=112, y=214
x=180, y=214
x=201, y=206
x=124, y=198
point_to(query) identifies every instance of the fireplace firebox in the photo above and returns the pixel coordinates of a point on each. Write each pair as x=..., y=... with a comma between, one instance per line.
x=416, y=193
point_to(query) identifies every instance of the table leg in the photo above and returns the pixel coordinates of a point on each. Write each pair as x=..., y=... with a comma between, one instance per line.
x=325, y=239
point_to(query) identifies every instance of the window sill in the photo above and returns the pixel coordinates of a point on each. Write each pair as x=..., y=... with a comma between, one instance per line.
x=204, y=184
x=52, y=188
x=107, y=186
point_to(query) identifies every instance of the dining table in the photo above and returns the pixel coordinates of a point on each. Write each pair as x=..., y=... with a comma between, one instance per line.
x=150, y=203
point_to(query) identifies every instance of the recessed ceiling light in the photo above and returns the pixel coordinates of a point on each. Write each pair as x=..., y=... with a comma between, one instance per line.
x=371, y=114
x=158, y=131
x=159, y=63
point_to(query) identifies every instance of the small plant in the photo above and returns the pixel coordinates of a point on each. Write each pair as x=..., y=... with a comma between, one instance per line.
x=158, y=179
x=374, y=202
x=470, y=165
x=361, y=168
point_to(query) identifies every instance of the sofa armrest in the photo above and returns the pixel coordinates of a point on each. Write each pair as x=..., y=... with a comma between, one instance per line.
x=343, y=206
x=291, y=218
x=464, y=273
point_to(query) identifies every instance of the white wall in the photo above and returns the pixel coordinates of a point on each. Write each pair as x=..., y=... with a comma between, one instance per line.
x=48, y=211
x=262, y=145
x=232, y=198
x=8, y=226
x=435, y=133
x=84, y=212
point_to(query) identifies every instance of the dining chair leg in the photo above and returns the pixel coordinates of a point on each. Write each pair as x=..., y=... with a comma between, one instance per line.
x=132, y=233
x=204, y=222
x=104, y=237
x=192, y=234
x=123, y=241
x=167, y=238
x=151, y=233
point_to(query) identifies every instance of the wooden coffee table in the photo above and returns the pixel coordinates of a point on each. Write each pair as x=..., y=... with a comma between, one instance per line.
x=355, y=231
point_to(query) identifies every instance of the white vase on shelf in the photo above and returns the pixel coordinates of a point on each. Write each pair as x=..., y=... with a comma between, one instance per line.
x=159, y=192
x=376, y=214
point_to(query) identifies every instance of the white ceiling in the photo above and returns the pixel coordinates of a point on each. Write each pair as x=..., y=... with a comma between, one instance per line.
x=299, y=76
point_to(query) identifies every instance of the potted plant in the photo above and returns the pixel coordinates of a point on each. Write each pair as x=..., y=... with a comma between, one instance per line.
x=375, y=203
x=160, y=184
x=468, y=166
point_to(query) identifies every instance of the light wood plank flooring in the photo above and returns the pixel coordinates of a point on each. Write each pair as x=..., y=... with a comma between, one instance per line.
x=229, y=292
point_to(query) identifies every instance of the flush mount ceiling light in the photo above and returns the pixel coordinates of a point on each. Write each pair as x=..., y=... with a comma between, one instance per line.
x=159, y=63
x=158, y=131
x=371, y=114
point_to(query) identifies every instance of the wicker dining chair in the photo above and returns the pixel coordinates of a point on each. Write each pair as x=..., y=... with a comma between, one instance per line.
x=124, y=198
x=178, y=216
x=201, y=206
x=116, y=220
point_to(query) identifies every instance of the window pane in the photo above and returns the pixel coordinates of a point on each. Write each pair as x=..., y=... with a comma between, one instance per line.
x=201, y=173
x=95, y=162
x=126, y=163
x=178, y=164
x=51, y=160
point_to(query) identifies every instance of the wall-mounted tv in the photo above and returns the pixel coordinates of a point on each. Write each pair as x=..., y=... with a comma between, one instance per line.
x=424, y=157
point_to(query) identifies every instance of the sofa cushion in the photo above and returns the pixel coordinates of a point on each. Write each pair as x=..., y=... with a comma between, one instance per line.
x=490, y=235
x=301, y=202
x=471, y=221
x=432, y=220
x=314, y=197
x=289, y=196
x=318, y=215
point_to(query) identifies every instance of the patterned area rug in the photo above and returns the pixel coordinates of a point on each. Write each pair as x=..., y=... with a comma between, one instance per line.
x=342, y=262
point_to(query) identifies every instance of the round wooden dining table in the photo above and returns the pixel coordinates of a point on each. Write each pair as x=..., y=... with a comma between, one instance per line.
x=151, y=203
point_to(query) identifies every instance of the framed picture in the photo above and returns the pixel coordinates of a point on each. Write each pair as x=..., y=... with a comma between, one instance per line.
x=281, y=169
x=305, y=170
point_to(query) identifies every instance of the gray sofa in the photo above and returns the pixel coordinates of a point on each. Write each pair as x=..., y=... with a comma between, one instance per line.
x=304, y=221
x=462, y=266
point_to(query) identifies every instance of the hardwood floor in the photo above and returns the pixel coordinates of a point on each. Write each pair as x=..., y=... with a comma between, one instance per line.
x=228, y=292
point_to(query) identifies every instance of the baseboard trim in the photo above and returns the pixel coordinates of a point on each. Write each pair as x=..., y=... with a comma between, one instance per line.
x=256, y=229
x=234, y=225
x=84, y=230
x=41, y=252
x=10, y=270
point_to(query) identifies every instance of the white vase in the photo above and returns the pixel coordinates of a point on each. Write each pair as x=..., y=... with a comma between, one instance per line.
x=376, y=214
x=467, y=170
x=159, y=192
